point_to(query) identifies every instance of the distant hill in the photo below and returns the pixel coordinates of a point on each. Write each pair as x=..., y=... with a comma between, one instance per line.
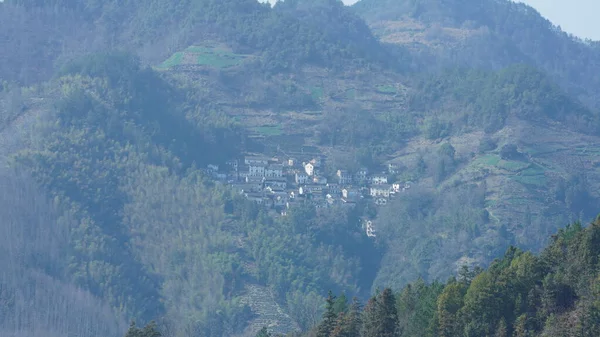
x=293, y=33
x=488, y=33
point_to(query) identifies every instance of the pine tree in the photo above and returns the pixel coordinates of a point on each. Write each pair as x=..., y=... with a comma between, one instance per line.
x=521, y=329
x=150, y=330
x=354, y=318
x=348, y=323
x=341, y=304
x=370, y=318
x=502, y=330
x=341, y=326
x=329, y=317
x=263, y=332
x=381, y=316
x=388, y=313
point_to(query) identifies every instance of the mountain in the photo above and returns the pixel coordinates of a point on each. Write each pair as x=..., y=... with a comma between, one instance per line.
x=127, y=138
x=293, y=32
x=488, y=34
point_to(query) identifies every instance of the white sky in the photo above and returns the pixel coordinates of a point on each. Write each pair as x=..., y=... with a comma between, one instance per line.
x=578, y=17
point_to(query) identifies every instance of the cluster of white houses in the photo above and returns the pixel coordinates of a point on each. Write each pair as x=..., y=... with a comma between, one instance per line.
x=279, y=185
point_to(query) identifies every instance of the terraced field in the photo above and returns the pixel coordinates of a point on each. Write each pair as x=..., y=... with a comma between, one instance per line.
x=209, y=55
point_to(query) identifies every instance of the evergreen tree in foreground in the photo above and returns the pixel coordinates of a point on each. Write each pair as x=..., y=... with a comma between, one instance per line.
x=381, y=316
x=149, y=330
x=329, y=317
x=263, y=332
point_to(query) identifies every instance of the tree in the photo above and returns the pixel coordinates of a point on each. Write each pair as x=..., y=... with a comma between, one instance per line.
x=510, y=152
x=150, y=330
x=502, y=330
x=341, y=304
x=329, y=317
x=354, y=318
x=450, y=302
x=388, y=314
x=381, y=316
x=263, y=332
x=370, y=318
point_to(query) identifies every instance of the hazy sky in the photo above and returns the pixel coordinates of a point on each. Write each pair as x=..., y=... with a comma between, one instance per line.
x=578, y=17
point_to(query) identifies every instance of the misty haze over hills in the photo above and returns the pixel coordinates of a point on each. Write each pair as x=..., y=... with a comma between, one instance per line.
x=219, y=166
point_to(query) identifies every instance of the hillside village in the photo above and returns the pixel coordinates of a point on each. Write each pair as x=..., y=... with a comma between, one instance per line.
x=280, y=184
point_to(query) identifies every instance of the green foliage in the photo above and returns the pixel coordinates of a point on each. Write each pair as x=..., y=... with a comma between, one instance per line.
x=327, y=325
x=487, y=145
x=520, y=295
x=427, y=228
x=474, y=98
x=263, y=333
x=149, y=330
x=119, y=159
x=120, y=150
x=172, y=61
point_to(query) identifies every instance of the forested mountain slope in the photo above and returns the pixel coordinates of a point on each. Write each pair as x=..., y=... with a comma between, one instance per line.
x=117, y=149
x=488, y=34
x=107, y=130
x=43, y=35
x=554, y=293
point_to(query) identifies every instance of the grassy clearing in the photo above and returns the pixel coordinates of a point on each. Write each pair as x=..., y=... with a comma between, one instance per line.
x=531, y=180
x=588, y=150
x=532, y=176
x=533, y=170
x=351, y=94
x=387, y=89
x=512, y=166
x=172, y=61
x=268, y=130
x=317, y=93
x=487, y=160
x=218, y=58
x=205, y=56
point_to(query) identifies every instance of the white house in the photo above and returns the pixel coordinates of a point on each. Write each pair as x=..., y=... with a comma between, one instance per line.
x=256, y=170
x=276, y=183
x=382, y=190
x=233, y=164
x=311, y=189
x=301, y=178
x=396, y=187
x=334, y=189
x=254, y=160
x=379, y=179
x=361, y=174
x=255, y=197
x=344, y=178
x=369, y=228
x=310, y=169
x=274, y=171
x=381, y=201
x=255, y=182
